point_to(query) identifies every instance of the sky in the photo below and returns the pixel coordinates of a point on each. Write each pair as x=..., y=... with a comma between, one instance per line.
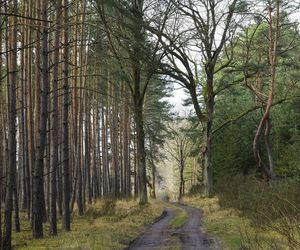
x=177, y=99
x=165, y=169
x=179, y=95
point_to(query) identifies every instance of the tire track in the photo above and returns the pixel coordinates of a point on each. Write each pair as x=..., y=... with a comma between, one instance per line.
x=191, y=236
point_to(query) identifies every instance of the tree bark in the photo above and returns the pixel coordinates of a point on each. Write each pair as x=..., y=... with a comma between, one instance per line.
x=12, y=115
x=208, y=136
x=138, y=100
x=105, y=179
x=265, y=122
x=30, y=117
x=55, y=124
x=126, y=144
x=65, y=130
x=141, y=154
x=38, y=184
x=2, y=132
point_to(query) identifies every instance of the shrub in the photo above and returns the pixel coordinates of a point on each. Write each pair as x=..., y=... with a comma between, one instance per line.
x=196, y=189
x=164, y=196
x=109, y=206
x=272, y=206
x=105, y=207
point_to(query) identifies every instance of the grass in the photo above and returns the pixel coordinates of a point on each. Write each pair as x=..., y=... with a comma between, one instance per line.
x=180, y=218
x=97, y=229
x=224, y=224
x=237, y=231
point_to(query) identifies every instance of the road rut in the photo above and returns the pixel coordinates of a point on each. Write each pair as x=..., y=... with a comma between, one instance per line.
x=191, y=236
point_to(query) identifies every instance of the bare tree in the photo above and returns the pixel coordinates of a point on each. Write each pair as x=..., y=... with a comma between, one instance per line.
x=265, y=122
x=179, y=148
x=212, y=24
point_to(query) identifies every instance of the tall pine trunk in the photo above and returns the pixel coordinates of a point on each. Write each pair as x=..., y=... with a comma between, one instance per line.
x=12, y=115
x=138, y=100
x=141, y=154
x=55, y=125
x=65, y=130
x=38, y=181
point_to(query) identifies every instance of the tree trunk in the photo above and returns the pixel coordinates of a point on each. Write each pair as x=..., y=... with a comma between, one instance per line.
x=95, y=144
x=105, y=178
x=65, y=131
x=16, y=210
x=265, y=122
x=12, y=114
x=38, y=184
x=153, y=171
x=87, y=150
x=30, y=117
x=208, y=138
x=126, y=145
x=141, y=154
x=2, y=132
x=181, y=182
x=55, y=124
x=135, y=165
x=23, y=121
x=138, y=99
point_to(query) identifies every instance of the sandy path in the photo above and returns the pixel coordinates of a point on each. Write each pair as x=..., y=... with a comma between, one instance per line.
x=189, y=237
x=157, y=236
x=192, y=234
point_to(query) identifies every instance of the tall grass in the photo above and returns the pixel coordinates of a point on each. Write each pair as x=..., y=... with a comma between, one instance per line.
x=272, y=207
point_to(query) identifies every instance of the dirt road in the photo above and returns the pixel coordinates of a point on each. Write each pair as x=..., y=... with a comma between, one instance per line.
x=160, y=236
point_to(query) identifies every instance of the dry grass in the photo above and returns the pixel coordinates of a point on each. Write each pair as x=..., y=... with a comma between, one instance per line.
x=100, y=228
x=237, y=231
x=224, y=224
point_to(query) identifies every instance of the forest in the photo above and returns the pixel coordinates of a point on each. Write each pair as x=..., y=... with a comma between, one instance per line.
x=116, y=115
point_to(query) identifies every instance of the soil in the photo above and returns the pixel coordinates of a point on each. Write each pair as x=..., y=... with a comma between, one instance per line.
x=191, y=236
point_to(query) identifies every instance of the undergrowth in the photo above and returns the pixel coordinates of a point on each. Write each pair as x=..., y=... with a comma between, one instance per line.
x=249, y=213
x=272, y=207
x=107, y=224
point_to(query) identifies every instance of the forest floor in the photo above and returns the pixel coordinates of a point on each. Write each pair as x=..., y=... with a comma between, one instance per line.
x=106, y=225
x=179, y=228
x=224, y=224
x=236, y=231
x=113, y=224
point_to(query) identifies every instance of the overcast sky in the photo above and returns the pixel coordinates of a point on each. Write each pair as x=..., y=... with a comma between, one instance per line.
x=179, y=94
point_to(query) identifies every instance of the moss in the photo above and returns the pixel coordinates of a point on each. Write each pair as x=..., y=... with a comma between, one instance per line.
x=180, y=219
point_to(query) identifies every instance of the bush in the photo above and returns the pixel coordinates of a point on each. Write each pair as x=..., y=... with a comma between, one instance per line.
x=196, y=189
x=273, y=206
x=109, y=206
x=164, y=196
x=106, y=207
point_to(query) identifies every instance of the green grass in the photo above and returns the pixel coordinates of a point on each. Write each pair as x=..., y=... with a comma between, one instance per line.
x=96, y=230
x=234, y=231
x=180, y=219
x=224, y=224
x=181, y=216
